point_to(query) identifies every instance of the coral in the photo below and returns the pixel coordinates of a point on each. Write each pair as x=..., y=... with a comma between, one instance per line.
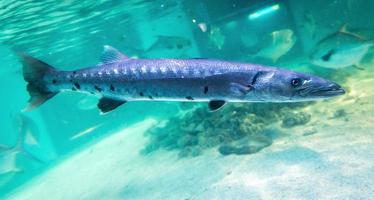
x=340, y=113
x=238, y=128
x=293, y=118
x=311, y=131
x=226, y=150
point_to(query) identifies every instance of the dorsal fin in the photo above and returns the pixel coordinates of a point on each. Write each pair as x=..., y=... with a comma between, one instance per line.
x=345, y=30
x=111, y=54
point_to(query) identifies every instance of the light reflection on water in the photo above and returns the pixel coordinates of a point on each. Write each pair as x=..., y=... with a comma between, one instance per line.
x=58, y=26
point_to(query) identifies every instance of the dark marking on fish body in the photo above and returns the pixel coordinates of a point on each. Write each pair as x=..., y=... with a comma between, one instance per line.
x=54, y=81
x=141, y=94
x=189, y=98
x=97, y=88
x=112, y=88
x=327, y=56
x=77, y=86
x=150, y=97
x=206, y=89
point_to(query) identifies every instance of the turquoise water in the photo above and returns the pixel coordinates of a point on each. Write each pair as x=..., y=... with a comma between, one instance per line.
x=66, y=149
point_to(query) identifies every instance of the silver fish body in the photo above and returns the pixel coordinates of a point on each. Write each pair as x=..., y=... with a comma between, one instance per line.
x=119, y=79
x=163, y=79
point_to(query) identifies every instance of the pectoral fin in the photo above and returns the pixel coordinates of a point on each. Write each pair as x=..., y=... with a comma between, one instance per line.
x=215, y=105
x=107, y=104
x=240, y=89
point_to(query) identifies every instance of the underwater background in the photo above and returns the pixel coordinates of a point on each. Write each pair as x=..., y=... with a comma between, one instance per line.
x=66, y=149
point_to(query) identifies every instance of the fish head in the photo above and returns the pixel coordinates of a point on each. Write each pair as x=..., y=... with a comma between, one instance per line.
x=289, y=86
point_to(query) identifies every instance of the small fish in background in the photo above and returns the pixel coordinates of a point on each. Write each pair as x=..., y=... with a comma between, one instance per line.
x=216, y=37
x=174, y=45
x=26, y=135
x=203, y=27
x=341, y=49
x=281, y=42
x=8, y=158
x=309, y=25
x=170, y=42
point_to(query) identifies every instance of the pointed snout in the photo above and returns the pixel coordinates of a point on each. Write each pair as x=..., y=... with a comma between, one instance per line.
x=328, y=90
x=336, y=89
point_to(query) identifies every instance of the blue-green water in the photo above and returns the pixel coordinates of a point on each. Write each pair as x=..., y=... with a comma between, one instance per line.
x=166, y=150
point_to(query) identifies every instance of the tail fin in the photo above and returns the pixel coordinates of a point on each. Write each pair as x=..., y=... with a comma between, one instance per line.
x=33, y=72
x=10, y=153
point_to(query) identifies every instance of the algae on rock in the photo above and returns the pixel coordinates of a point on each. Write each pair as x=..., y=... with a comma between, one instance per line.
x=239, y=128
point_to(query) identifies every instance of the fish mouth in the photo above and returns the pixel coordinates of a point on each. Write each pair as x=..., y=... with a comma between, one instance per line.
x=328, y=91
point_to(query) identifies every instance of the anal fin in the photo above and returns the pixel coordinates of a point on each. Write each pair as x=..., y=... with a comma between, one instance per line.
x=107, y=104
x=215, y=105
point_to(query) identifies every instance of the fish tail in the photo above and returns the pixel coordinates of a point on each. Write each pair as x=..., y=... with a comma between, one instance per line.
x=22, y=123
x=33, y=73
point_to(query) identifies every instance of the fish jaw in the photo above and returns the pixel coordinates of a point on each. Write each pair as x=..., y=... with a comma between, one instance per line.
x=318, y=88
x=331, y=90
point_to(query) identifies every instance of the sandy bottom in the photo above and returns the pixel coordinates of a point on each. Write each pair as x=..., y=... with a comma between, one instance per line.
x=332, y=157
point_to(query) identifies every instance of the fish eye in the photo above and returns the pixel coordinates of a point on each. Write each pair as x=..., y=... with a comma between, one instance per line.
x=296, y=82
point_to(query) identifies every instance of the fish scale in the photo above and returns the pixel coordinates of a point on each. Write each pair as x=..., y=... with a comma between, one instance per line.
x=164, y=72
x=119, y=79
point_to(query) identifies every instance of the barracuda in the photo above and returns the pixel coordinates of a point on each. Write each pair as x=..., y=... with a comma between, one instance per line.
x=119, y=79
